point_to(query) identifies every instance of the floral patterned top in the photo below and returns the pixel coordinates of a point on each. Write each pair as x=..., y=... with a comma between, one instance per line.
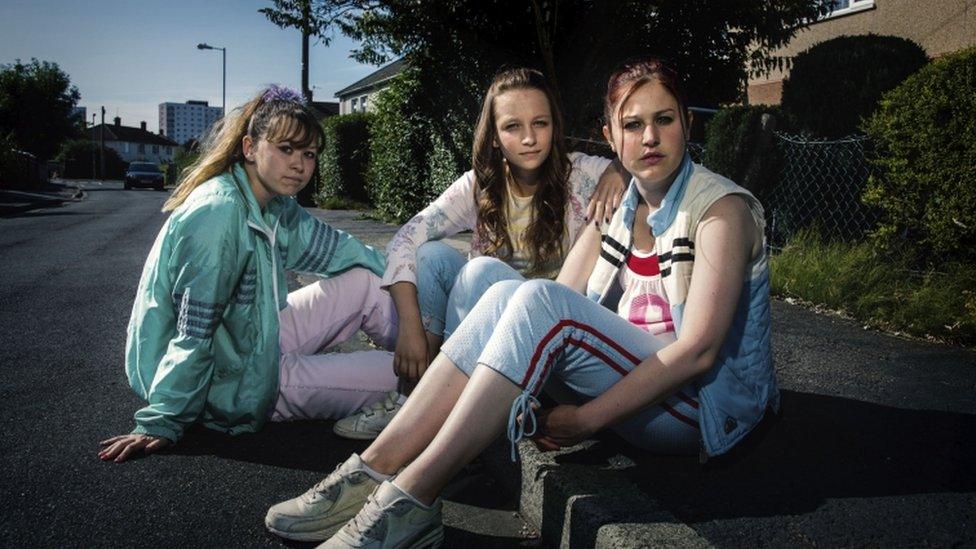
x=455, y=210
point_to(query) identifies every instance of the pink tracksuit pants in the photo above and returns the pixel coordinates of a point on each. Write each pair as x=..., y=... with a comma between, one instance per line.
x=323, y=314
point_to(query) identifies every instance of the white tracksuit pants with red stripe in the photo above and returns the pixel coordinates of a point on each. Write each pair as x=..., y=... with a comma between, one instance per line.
x=530, y=331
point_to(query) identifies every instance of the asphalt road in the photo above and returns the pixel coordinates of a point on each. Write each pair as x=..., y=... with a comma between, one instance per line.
x=67, y=279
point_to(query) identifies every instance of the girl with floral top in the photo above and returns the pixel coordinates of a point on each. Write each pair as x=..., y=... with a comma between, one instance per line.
x=525, y=201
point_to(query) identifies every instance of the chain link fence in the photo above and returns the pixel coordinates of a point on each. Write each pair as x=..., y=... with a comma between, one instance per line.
x=820, y=186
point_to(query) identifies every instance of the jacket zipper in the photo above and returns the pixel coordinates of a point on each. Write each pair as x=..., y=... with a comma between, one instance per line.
x=271, y=236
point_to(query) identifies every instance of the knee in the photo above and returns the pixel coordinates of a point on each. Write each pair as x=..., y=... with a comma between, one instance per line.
x=435, y=252
x=480, y=273
x=537, y=293
x=354, y=282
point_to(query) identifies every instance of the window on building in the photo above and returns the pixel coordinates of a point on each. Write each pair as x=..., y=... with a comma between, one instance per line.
x=843, y=7
x=142, y=148
x=127, y=147
x=155, y=149
x=362, y=102
x=352, y=103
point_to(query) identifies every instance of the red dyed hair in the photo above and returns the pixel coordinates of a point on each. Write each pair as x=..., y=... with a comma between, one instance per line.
x=633, y=74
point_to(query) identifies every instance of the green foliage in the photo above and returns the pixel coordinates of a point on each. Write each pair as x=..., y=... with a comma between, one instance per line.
x=399, y=147
x=737, y=146
x=344, y=159
x=879, y=290
x=836, y=83
x=80, y=158
x=924, y=135
x=577, y=42
x=456, y=46
x=36, y=99
x=184, y=156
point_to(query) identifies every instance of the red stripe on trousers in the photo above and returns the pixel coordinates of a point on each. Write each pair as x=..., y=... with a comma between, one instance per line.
x=555, y=330
x=606, y=359
x=678, y=415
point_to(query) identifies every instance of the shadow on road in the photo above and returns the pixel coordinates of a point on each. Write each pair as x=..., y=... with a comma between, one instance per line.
x=822, y=447
x=304, y=445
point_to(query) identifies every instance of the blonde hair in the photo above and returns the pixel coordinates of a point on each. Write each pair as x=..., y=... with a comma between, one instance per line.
x=269, y=115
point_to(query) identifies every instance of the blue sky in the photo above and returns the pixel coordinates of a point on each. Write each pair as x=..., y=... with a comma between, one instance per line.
x=130, y=56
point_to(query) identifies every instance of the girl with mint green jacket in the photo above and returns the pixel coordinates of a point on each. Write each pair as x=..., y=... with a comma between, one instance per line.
x=214, y=335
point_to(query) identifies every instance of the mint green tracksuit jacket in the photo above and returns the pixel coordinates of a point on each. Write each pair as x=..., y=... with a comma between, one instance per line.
x=203, y=336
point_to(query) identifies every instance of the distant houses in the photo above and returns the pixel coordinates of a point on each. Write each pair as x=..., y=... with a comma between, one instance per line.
x=359, y=96
x=135, y=143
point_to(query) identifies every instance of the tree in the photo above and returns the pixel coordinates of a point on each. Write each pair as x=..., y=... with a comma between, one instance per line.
x=36, y=100
x=314, y=18
x=459, y=44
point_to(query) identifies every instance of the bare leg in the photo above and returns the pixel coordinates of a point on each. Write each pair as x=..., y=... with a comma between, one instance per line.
x=418, y=421
x=480, y=414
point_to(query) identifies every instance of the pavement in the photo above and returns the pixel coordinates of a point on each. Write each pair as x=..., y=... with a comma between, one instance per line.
x=54, y=193
x=874, y=446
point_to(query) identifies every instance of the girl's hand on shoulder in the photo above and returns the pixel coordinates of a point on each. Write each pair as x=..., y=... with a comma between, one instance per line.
x=608, y=193
x=562, y=426
x=410, y=358
x=122, y=447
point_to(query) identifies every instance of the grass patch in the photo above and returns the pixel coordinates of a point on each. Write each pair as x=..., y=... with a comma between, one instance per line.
x=340, y=203
x=880, y=291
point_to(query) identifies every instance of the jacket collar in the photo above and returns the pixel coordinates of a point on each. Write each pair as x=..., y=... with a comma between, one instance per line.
x=663, y=217
x=265, y=219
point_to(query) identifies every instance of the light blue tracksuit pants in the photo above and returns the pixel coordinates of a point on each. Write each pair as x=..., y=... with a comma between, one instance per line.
x=538, y=331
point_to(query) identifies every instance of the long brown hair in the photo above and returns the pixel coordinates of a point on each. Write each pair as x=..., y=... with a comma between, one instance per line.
x=544, y=235
x=276, y=114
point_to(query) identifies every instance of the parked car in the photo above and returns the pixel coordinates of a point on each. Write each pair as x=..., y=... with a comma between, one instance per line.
x=144, y=174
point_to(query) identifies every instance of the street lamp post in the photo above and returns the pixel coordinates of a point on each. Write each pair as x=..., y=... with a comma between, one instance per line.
x=223, y=93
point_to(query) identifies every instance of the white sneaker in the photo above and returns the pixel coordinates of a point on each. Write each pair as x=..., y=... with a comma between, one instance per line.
x=368, y=422
x=324, y=508
x=390, y=519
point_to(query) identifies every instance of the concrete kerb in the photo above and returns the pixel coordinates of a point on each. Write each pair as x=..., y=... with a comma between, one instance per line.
x=576, y=501
x=18, y=201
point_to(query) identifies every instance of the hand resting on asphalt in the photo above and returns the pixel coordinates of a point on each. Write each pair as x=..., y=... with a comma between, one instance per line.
x=122, y=447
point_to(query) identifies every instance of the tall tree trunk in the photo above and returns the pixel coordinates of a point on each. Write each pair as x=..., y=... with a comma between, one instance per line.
x=306, y=21
x=545, y=46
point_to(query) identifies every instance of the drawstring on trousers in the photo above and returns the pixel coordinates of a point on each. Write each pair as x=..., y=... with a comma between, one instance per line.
x=522, y=406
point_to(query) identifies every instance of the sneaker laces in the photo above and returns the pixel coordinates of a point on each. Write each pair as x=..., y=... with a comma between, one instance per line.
x=522, y=406
x=366, y=519
x=323, y=485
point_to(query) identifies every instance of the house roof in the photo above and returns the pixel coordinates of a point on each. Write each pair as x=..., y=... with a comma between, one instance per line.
x=325, y=109
x=131, y=135
x=374, y=79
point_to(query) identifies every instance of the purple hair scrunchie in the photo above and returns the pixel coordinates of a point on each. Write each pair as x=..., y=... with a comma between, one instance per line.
x=281, y=93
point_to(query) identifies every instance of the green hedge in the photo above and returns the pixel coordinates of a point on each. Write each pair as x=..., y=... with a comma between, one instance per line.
x=76, y=155
x=924, y=134
x=835, y=83
x=413, y=156
x=736, y=147
x=343, y=162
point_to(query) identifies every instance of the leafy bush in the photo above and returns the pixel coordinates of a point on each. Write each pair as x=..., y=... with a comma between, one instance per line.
x=924, y=135
x=837, y=82
x=343, y=162
x=737, y=147
x=397, y=175
x=81, y=161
